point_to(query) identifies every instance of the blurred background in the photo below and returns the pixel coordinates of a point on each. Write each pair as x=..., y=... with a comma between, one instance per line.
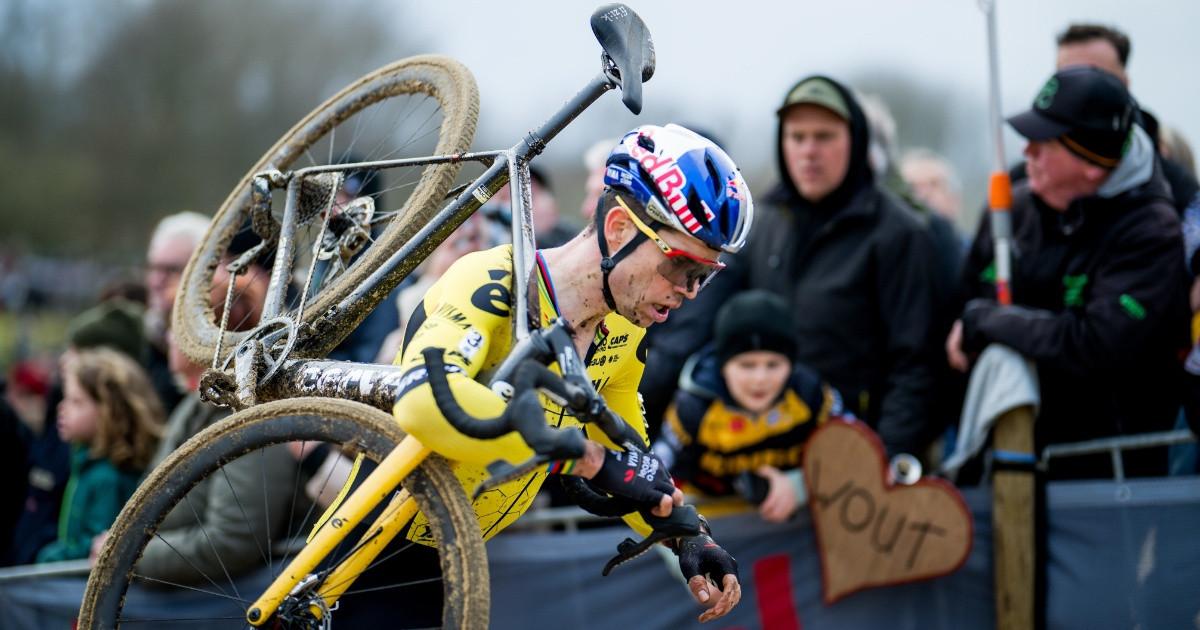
x=114, y=114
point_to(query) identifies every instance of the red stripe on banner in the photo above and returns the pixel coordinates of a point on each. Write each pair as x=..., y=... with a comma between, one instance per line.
x=773, y=590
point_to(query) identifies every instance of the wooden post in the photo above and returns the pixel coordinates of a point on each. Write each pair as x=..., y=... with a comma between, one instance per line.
x=1013, y=522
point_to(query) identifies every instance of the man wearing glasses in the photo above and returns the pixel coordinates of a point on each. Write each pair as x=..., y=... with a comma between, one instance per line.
x=673, y=204
x=171, y=244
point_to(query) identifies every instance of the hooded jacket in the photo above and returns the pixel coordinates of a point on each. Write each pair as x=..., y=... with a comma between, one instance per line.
x=1100, y=304
x=857, y=268
x=94, y=496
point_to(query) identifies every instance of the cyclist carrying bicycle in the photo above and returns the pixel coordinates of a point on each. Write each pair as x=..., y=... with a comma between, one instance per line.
x=673, y=203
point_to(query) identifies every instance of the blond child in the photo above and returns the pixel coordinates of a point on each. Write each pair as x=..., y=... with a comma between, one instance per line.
x=112, y=419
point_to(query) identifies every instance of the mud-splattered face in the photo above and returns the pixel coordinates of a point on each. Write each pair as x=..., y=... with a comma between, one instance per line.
x=645, y=296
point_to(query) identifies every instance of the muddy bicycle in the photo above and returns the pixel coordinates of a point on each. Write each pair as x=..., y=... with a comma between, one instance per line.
x=329, y=258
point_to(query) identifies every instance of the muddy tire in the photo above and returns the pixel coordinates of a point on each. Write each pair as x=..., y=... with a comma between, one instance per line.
x=414, y=107
x=350, y=426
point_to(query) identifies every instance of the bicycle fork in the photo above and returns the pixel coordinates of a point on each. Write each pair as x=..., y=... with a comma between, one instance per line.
x=381, y=483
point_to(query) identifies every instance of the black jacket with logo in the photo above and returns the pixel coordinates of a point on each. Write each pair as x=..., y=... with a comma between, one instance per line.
x=1100, y=295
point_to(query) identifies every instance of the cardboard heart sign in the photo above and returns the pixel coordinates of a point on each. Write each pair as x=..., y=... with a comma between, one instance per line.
x=869, y=531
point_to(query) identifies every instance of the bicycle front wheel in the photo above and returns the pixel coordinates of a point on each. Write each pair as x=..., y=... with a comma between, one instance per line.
x=194, y=547
x=415, y=107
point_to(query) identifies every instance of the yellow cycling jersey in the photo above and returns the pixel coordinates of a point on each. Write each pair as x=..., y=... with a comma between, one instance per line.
x=468, y=313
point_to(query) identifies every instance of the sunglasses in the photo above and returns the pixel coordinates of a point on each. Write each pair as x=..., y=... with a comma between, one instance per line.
x=681, y=268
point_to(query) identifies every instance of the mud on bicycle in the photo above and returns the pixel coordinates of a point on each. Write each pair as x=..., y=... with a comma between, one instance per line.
x=345, y=262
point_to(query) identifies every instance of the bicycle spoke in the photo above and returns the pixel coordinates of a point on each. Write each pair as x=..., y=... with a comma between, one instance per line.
x=299, y=477
x=186, y=587
x=212, y=547
x=383, y=137
x=246, y=518
x=262, y=461
x=332, y=141
x=189, y=562
x=359, y=127
x=372, y=589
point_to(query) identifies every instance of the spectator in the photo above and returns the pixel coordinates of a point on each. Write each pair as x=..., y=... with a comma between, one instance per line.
x=945, y=402
x=13, y=467
x=1099, y=290
x=112, y=418
x=854, y=262
x=235, y=506
x=116, y=324
x=745, y=408
x=1108, y=49
x=593, y=163
x=171, y=245
x=933, y=182
x=549, y=227
x=1174, y=147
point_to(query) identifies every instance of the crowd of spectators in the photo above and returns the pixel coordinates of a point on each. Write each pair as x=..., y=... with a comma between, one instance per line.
x=857, y=297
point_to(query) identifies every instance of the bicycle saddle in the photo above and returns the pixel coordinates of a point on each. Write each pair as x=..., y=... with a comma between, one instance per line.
x=627, y=43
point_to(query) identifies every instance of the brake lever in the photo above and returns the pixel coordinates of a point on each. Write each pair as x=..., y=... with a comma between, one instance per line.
x=683, y=522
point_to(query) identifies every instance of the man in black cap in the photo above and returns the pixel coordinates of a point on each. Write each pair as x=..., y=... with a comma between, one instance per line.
x=1099, y=284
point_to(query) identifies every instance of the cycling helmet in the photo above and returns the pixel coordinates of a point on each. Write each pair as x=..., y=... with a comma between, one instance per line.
x=684, y=181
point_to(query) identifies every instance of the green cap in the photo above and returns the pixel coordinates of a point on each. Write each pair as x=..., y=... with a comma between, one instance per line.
x=116, y=324
x=817, y=91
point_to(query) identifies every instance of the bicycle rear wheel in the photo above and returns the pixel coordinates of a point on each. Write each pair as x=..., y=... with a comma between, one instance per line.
x=414, y=107
x=208, y=590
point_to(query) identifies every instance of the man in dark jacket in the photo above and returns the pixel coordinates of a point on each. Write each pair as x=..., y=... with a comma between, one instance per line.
x=1108, y=49
x=1099, y=284
x=854, y=262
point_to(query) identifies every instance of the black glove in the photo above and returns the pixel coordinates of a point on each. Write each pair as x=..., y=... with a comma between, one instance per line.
x=634, y=474
x=700, y=555
x=978, y=309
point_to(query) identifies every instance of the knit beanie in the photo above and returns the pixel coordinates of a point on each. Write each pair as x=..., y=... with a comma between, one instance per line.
x=115, y=324
x=754, y=320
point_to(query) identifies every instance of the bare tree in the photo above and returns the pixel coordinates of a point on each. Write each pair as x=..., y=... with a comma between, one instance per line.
x=166, y=112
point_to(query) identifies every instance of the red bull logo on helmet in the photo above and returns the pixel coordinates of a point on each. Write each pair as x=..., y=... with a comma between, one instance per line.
x=669, y=180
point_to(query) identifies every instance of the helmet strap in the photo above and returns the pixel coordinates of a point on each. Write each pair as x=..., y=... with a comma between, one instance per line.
x=608, y=263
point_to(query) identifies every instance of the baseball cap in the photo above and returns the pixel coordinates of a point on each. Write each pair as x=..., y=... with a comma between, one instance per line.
x=1087, y=109
x=817, y=91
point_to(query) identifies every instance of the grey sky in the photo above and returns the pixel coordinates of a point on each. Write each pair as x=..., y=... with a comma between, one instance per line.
x=726, y=64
